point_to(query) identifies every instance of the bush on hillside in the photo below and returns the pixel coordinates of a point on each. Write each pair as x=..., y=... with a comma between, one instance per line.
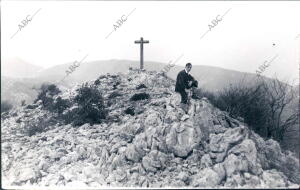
x=130, y=111
x=90, y=107
x=141, y=86
x=262, y=106
x=47, y=91
x=201, y=93
x=140, y=96
x=60, y=105
x=97, y=82
x=246, y=102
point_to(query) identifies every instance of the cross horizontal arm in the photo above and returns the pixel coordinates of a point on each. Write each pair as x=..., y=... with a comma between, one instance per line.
x=138, y=42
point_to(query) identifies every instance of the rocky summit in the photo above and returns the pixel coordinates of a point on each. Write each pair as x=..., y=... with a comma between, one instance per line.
x=147, y=140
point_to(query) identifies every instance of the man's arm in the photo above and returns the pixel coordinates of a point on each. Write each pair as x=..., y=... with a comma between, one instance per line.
x=189, y=81
x=190, y=77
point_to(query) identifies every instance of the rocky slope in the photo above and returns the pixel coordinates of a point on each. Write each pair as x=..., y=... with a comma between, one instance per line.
x=145, y=143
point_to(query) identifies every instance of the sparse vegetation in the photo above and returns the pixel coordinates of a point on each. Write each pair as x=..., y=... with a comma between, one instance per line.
x=97, y=82
x=263, y=106
x=89, y=107
x=47, y=91
x=129, y=110
x=86, y=107
x=60, y=105
x=201, y=93
x=141, y=86
x=140, y=96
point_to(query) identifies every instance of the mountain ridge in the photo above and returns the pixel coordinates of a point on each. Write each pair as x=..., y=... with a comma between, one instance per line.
x=18, y=68
x=210, y=78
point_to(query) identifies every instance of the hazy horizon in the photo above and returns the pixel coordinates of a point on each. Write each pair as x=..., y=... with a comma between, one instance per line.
x=248, y=35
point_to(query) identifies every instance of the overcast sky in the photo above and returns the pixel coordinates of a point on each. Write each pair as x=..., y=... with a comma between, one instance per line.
x=248, y=35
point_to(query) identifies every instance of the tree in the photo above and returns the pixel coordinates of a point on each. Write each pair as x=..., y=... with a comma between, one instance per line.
x=266, y=106
x=281, y=119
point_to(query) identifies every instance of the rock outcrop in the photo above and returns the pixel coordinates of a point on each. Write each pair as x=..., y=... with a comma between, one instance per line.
x=154, y=144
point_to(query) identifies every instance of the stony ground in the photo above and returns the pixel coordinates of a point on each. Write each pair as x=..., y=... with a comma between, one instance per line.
x=158, y=145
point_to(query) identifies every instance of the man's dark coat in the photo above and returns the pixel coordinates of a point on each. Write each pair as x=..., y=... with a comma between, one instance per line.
x=182, y=81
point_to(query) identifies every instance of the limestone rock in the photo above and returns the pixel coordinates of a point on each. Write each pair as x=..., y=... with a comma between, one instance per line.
x=234, y=164
x=132, y=154
x=206, y=161
x=273, y=179
x=206, y=178
x=183, y=138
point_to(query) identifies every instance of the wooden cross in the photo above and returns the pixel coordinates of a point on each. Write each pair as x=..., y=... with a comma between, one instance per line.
x=142, y=42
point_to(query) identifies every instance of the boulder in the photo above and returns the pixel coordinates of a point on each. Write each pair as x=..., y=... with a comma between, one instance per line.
x=25, y=174
x=132, y=154
x=206, y=178
x=234, y=164
x=206, y=161
x=183, y=138
x=235, y=180
x=283, y=162
x=184, y=177
x=248, y=150
x=154, y=161
x=219, y=144
x=274, y=179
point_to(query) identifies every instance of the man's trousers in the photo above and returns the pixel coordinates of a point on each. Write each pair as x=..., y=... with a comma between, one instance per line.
x=184, y=97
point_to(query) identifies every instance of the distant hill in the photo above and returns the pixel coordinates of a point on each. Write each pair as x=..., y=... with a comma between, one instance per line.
x=18, y=68
x=15, y=90
x=91, y=70
x=210, y=78
x=215, y=78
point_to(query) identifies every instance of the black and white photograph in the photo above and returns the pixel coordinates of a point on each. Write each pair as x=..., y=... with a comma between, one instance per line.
x=150, y=94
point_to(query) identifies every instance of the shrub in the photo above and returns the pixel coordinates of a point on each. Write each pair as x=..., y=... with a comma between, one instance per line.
x=140, y=96
x=141, y=86
x=201, y=93
x=90, y=107
x=47, y=91
x=60, y=105
x=129, y=110
x=6, y=106
x=246, y=102
x=264, y=107
x=102, y=77
x=97, y=82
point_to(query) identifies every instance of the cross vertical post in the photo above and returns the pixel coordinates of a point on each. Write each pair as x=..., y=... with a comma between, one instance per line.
x=141, y=42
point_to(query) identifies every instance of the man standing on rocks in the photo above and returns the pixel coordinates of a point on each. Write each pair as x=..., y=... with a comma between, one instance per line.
x=185, y=81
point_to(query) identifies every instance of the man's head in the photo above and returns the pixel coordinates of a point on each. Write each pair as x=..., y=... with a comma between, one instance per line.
x=188, y=67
